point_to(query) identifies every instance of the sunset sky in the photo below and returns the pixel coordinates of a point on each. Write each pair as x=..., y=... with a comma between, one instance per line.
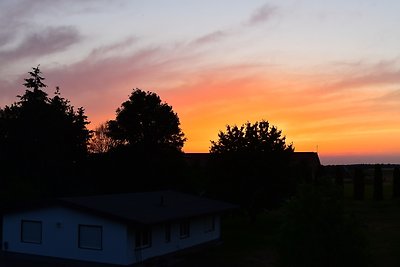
x=327, y=73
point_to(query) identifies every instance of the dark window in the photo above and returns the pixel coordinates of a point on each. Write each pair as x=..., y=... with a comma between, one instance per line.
x=167, y=232
x=90, y=237
x=184, y=229
x=209, y=225
x=31, y=231
x=143, y=238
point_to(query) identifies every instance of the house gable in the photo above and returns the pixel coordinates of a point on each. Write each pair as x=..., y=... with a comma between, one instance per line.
x=114, y=228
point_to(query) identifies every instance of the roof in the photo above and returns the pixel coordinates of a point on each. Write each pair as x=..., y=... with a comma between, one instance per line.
x=307, y=157
x=149, y=207
x=298, y=157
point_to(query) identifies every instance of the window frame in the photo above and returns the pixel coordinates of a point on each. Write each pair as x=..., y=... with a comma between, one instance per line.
x=22, y=232
x=93, y=226
x=167, y=233
x=139, y=238
x=209, y=224
x=184, y=229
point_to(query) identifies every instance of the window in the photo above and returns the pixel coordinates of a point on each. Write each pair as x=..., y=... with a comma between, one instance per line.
x=167, y=233
x=143, y=238
x=90, y=237
x=31, y=231
x=209, y=224
x=184, y=229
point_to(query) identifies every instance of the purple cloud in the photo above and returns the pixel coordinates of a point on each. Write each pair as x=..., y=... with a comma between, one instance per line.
x=211, y=37
x=262, y=14
x=373, y=78
x=48, y=41
x=101, y=51
x=8, y=94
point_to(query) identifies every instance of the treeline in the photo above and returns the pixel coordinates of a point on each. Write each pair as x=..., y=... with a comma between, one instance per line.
x=359, y=175
x=46, y=150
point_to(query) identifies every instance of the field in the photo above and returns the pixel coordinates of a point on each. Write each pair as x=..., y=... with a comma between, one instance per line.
x=254, y=244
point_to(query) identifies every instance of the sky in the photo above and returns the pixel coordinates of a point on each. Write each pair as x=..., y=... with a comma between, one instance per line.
x=326, y=73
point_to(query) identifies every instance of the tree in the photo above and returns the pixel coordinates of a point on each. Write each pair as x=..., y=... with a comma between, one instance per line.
x=148, y=141
x=396, y=182
x=339, y=176
x=147, y=122
x=259, y=138
x=41, y=138
x=358, y=184
x=100, y=141
x=252, y=165
x=378, y=182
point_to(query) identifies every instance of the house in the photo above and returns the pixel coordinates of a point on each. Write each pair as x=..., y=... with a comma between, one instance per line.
x=307, y=163
x=120, y=229
x=305, y=160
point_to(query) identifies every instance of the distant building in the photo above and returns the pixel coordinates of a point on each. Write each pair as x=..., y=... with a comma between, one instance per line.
x=121, y=229
x=309, y=162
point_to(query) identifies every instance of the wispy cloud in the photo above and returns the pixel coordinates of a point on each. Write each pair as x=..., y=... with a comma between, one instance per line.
x=6, y=37
x=211, y=37
x=48, y=41
x=262, y=14
x=361, y=75
x=118, y=47
x=8, y=94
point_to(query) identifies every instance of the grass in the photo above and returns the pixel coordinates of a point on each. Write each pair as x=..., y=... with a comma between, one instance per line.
x=254, y=244
x=243, y=244
x=382, y=221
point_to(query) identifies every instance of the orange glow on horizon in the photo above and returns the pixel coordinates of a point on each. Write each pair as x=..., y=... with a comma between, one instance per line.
x=310, y=112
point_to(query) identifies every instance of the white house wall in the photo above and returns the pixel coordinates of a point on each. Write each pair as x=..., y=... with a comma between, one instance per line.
x=60, y=235
x=198, y=235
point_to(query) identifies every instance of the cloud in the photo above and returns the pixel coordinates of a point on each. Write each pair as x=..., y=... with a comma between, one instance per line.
x=101, y=83
x=115, y=47
x=48, y=41
x=211, y=37
x=262, y=14
x=6, y=36
x=20, y=15
x=8, y=94
x=380, y=74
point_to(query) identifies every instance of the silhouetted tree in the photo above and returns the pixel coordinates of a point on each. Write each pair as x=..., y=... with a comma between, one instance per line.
x=149, y=141
x=339, y=176
x=41, y=138
x=378, y=182
x=100, y=142
x=396, y=182
x=145, y=121
x=252, y=165
x=359, y=183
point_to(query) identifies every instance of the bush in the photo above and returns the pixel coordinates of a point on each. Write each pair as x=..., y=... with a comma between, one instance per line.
x=317, y=232
x=378, y=182
x=358, y=184
x=396, y=182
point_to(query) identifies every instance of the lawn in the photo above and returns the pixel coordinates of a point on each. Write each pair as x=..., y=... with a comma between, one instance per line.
x=382, y=222
x=254, y=244
x=244, y=243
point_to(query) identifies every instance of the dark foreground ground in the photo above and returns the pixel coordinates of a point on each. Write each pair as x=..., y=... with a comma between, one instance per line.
x=253, y=244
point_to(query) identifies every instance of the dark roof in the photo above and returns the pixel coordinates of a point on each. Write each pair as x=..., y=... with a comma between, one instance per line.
x=149, y=207
x=310, y=158
x=307, y=157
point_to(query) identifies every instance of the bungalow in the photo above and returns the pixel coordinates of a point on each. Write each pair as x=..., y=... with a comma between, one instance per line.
x=120, y=229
